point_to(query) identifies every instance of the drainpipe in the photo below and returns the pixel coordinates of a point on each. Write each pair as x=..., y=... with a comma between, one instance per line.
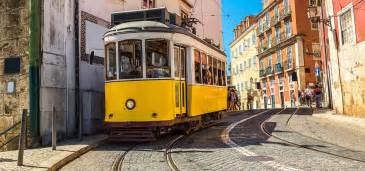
x=77, y=70
x=34, y=65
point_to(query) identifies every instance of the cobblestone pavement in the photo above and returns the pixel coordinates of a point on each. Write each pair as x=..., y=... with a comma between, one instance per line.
x=255, y=150
x=101, y=158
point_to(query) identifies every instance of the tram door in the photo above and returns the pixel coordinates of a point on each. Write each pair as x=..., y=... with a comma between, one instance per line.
x=180, y=79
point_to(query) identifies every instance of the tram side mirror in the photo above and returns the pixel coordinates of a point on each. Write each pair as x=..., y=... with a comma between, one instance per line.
x=91, y=57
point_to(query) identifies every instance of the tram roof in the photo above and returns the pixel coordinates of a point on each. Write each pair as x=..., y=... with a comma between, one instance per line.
x=153, y=26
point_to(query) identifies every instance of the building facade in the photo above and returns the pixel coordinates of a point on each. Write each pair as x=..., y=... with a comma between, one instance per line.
x=46, y=63
x=343, y=41
x=288, y=51
x=244, y=62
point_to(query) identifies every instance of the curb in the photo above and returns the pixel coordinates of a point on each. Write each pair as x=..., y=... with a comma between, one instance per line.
x=74, y=155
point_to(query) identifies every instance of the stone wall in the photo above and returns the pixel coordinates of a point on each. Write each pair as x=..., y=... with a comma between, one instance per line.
x=13, y=43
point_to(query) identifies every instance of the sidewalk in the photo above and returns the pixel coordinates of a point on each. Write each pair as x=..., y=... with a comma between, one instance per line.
x=45, y=158
x=345, y=131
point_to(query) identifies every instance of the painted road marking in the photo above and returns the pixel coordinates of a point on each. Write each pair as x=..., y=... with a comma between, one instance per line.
x=227, y=140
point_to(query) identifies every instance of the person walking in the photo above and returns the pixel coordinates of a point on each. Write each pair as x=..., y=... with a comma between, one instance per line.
x=308, y=96
x=318, y=96
x=231, y=98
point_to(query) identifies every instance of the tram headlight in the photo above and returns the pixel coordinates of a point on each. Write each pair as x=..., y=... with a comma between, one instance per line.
x=130, y=104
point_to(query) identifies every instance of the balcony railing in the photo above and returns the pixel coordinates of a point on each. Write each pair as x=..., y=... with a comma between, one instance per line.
x=275, y=20
x=278, y=68
x=260, y=31
x=267, y=27
x=262, y=73
x=285, y=13
x=269, y=70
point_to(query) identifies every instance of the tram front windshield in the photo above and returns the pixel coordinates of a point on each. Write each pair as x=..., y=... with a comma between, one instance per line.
x=130, y=60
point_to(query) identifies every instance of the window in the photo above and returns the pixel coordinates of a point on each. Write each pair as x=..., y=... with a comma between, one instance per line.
x=224, y=73
x=211, y=70
x=253, y=39
x=279, y=57
x=148, y=4
x=288, y=28
x=267, y=19
x=157, y=59
x=241, y=68
x=215, y=71
x=347, y=27
x=286, y=5
x=289, y=56
x=276, y=12
x=254, y=60
x=130, y=59
x=198, y=79
x=242, y=87
x=111, y=62
x=277, y=34
x=219, y=77
x=205, y=69
x=249, y=63
x=248, y=42
x=246, y=85
x=245, y=65
x=270, y=60
x=269, y=40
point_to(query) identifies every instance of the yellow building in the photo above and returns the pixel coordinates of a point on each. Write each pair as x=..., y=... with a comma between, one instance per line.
x=244, y=62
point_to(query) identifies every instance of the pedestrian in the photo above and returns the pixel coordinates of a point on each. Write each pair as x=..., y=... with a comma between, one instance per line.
x=249, y=101
x=231, y=99
x=236, y=100
x=308, y=96
x=318, y=96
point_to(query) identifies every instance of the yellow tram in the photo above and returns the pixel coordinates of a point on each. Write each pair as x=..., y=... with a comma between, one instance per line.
x=160, y=77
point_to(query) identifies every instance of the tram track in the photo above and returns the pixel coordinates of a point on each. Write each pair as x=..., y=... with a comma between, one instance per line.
x=267, y=132
x=118, y=163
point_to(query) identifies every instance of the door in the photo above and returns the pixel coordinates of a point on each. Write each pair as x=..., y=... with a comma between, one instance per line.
x=180, y=80
x=265, y=102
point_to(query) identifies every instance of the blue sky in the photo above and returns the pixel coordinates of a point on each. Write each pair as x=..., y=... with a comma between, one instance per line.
x=233, y=11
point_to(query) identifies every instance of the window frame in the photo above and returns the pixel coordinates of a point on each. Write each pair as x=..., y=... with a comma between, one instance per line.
x=348, y=8
x=169, y=57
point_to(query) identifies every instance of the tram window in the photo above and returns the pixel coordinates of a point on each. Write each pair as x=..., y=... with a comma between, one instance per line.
x=205, y=70
x=157, y=57
x=224, y=73
x=219, y=73
x=111, y=67
x=197, y=66
x=130, y=59
x=210, y=69
x=215, y=71
x=183, y=59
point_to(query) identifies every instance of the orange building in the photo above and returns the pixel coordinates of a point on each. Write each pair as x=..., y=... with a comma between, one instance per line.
x=288, y=51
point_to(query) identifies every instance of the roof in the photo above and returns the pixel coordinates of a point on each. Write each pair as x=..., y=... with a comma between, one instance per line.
x=153, y=26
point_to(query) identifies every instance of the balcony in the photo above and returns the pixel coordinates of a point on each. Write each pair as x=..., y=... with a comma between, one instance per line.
x=275, y=20
x=267, y=27
x=278, y=68
x=269, y=71
x=262, y=73
x=259, y=32
x=284, y=36
x=285, y=14
x=263, y=47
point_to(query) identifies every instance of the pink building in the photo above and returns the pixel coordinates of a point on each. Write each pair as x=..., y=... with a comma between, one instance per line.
x=343, y=45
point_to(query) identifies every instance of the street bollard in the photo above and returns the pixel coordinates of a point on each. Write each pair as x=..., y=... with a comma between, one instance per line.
x=22, y=138
x=54, y=130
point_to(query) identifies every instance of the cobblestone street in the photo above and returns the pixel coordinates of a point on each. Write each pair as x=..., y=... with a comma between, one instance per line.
x=241, y=141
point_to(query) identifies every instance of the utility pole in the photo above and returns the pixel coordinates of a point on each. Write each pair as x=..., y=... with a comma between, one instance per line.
x=34, y=64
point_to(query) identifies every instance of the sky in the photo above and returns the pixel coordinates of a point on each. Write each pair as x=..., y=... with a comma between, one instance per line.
x=233, y=11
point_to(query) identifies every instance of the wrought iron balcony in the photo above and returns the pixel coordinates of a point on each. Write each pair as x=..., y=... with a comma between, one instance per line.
x=269, y=70
x=262, y=73
x=285, y=13
x=267, y=27
x=275, y=20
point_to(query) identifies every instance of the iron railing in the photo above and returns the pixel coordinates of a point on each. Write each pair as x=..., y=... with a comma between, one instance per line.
x=6, y=131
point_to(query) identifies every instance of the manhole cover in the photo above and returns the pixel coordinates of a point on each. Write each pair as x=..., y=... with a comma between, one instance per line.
x=257, y=158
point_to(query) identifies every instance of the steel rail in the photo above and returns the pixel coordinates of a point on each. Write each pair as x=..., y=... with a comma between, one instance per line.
x=265, y=131
x=118, y=164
